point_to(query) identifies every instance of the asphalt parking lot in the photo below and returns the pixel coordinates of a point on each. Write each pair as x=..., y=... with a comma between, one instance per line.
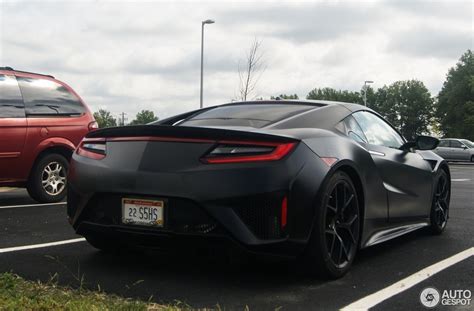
x=208, y=281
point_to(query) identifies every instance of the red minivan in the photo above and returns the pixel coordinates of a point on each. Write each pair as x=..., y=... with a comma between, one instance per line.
x=42, y=120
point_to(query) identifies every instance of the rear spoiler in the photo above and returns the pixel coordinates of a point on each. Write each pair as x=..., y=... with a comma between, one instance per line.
x=180, y=132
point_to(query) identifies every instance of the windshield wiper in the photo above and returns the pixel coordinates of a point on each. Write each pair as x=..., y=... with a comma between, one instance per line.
x=52, y=107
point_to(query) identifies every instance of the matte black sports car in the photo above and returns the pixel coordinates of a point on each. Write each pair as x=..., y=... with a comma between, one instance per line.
x=310, y=179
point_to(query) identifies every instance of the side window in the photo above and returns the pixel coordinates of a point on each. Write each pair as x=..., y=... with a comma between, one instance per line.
x=456, y=144
x=353, y=130
x=46, y=97
x=11, y=103
x=377, y=131
x=444, y=143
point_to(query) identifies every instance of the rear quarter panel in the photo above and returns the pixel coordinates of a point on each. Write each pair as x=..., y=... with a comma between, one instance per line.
x=350, y=153
x=44, y=133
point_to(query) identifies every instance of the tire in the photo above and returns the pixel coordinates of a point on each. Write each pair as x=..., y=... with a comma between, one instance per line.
x=50, y=171
x=336, y=232
x=472, y=158
x=440, y=204
x=103, y=243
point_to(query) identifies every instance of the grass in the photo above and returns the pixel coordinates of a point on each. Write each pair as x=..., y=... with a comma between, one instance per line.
x=19, y=294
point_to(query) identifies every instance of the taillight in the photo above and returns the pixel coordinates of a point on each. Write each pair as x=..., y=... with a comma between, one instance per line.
x=239, y=152
x=93, y=125
x=94, y=148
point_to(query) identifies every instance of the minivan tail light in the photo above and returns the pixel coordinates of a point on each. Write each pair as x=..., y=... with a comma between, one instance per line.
x=93, y=125
x=94, y=148
x=240, y=152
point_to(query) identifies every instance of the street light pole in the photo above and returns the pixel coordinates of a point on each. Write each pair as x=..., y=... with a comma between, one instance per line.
x=208, y=21
x=365, y=90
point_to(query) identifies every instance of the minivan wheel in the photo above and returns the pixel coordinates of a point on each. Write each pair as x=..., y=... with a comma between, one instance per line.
x=48, y=179
x=336, y=232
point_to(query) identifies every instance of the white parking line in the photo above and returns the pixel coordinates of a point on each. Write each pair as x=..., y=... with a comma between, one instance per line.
x=21, y=248
x=408, y=282
x=31, y=205
x=460, y=179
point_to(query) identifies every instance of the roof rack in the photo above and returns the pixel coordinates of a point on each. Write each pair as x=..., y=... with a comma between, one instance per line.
x=35, y=73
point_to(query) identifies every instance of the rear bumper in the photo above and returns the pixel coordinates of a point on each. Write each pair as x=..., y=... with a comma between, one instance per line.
x=236, y=203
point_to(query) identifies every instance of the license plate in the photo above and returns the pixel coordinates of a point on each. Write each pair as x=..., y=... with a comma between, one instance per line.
x=142, y=212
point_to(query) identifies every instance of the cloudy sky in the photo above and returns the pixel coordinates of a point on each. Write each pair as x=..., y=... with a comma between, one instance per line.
x=131, y=55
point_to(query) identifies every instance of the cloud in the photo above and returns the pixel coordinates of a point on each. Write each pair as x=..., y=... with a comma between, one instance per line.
x=323, y=21
x=431, y=42
x=442, y=10
x=129, y=56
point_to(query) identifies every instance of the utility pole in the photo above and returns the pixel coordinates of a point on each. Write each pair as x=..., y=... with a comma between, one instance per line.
x=122, y=117
x=208, y=21
x=365, y=87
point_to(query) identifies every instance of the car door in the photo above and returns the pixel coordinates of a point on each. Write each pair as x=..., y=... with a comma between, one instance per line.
x=406, y=175
x=443, y=149
x=13, y=127
x=459, y=151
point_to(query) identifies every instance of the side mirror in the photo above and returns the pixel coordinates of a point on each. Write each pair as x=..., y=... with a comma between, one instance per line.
x=421, y=143
x=464, y=147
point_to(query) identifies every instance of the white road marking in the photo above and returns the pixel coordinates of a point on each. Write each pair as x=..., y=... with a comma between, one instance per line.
x=31, y=205
x=408, y=282
x=21, y=248
x=460, y=179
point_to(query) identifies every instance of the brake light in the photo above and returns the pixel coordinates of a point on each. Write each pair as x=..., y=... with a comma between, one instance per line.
x=93, y=125
x=94, y=148
x=240, y=152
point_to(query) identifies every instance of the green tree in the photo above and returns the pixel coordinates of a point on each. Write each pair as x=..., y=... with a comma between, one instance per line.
x=455, y=106
x=381, y=101
x=284, y=96
x=328, y=93
x=144, y=117
x=408, y=105
x=104, y=118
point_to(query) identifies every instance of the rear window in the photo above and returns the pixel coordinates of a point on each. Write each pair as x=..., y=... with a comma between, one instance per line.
x=46, y=97
x=247, y=115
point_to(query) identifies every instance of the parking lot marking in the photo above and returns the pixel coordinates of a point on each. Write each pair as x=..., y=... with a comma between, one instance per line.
x=26, y=247
x=460, y=179
x=408, y=282
x=31, y=205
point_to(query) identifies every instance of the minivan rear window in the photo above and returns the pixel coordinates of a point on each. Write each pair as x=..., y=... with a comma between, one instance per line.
x=46, y=97
x=246, y=115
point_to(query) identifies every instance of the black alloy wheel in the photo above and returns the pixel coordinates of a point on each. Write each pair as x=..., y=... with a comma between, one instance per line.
x=342, y=224
x=440, y=208
x=336, y=234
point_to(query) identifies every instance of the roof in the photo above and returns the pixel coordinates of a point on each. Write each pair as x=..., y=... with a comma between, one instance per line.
x=317, y=103
x=287, y=101
x=7, y=68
